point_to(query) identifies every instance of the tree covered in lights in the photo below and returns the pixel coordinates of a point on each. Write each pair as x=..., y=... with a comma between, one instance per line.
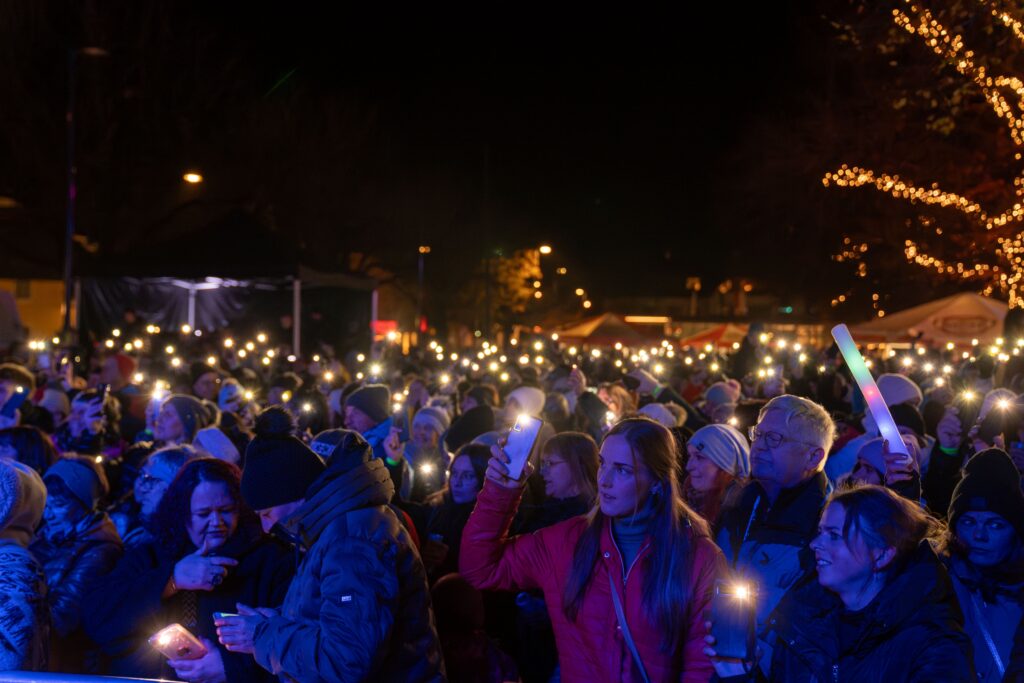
x=965, y=215
x=499, y=289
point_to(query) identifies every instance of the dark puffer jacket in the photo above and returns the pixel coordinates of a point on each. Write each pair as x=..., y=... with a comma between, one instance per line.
x=441, y=516
x=359, y=608
x=992, y=602
x=911, y=632
x=768, y=542
x=72, y=564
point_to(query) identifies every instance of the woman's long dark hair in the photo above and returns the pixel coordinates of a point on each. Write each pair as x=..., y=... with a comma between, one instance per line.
x=174, y=513
x=668, y=572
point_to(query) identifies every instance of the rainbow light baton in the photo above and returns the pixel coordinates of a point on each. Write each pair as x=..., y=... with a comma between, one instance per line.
x=876, y=404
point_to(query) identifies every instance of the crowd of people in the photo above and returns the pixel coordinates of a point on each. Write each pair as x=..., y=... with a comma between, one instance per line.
x=324, y=517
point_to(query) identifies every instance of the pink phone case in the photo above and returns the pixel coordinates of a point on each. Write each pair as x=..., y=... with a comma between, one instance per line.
x=176, y=642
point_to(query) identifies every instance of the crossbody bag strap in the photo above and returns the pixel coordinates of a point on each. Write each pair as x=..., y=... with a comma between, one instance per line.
x=992, y=649
x=737, y=546
x=625, y=630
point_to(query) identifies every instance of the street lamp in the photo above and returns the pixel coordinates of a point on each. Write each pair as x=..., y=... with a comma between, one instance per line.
x=545, y=249
x=192, y=178
x=423, y=251
x=72, y=178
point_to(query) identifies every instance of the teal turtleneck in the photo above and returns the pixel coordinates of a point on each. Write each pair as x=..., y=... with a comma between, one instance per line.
x=631, y=531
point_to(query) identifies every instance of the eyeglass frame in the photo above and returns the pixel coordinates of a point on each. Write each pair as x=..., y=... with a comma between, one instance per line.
x=753, y=434
x=147, y=480
x=547, y=463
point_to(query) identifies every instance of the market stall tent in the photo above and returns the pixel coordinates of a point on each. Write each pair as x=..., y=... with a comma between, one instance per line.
x=960, y=319
x=724, y=335
x=602, y=330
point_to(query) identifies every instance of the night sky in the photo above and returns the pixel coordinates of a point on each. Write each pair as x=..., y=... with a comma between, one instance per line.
x=614, y=138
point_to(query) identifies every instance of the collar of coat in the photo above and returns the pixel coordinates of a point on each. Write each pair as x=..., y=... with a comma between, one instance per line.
x=920, y=592
x=335, y=493
x=93, y=527
x=792, y=519
x=1006, y=580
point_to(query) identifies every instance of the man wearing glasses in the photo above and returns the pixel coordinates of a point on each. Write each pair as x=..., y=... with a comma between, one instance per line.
x=765, y=536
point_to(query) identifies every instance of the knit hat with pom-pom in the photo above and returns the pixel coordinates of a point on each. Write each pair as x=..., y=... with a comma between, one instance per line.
x=279, y=468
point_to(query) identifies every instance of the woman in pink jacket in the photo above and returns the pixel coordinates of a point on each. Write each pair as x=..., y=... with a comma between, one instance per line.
x=626, y=585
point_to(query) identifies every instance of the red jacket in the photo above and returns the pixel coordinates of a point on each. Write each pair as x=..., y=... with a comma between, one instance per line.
x=592, y=648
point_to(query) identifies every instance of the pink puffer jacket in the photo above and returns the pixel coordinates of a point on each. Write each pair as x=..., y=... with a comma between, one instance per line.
x=592, y=648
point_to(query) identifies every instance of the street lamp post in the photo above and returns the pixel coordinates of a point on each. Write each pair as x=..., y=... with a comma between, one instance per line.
x=424, y=250
x=72, y=181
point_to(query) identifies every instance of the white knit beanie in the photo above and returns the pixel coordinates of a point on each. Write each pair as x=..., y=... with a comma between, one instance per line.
x=724, y=446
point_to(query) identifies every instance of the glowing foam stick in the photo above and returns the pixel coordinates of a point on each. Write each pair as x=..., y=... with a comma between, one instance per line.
x=876, y=404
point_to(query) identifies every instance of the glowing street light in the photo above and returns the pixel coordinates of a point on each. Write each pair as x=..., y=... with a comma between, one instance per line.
x=192, y=178
x=545, y=249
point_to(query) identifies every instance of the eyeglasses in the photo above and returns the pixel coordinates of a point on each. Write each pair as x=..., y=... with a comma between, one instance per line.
x=148, y=480
x=773, y=439
x=546, y=465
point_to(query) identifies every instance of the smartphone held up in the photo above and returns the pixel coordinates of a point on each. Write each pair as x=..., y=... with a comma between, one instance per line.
x=520, y=442
x=733, y=609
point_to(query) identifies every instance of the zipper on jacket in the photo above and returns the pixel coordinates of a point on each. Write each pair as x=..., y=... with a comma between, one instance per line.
x=625, y=576
x=835, y=673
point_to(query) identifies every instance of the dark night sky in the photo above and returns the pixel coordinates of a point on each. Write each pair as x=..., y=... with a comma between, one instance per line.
x=608, y=135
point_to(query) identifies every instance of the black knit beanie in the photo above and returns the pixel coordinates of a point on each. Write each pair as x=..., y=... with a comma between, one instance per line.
x=469, y=425
x=906, y=415
x=991, y=483
x=343, y=449
x=279, y=468
x=373, y=399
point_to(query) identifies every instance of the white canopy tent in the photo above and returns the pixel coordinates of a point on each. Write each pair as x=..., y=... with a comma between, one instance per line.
x=959, y=318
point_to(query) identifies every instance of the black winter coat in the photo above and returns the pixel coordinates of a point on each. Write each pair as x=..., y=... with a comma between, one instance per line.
x=441, y=516
x=911, y=632
x=359, y=607
x=72, y=565
x=126, y=608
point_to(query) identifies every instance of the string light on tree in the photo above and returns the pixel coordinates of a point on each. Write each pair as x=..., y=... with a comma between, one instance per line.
x=999, y=261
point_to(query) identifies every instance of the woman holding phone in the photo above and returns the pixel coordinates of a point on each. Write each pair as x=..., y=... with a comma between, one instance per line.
x=882, y=607
x=208, y=554
x=627, y=584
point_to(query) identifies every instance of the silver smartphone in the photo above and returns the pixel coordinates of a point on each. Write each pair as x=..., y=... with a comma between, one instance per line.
x=520, y=442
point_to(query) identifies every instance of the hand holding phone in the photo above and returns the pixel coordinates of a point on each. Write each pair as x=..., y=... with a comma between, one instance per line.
x=177, y=642
x=11, y=405
x=237, y=632
x=577, y=380
x=500, y=467
x=393, y=444
x=949, y=429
